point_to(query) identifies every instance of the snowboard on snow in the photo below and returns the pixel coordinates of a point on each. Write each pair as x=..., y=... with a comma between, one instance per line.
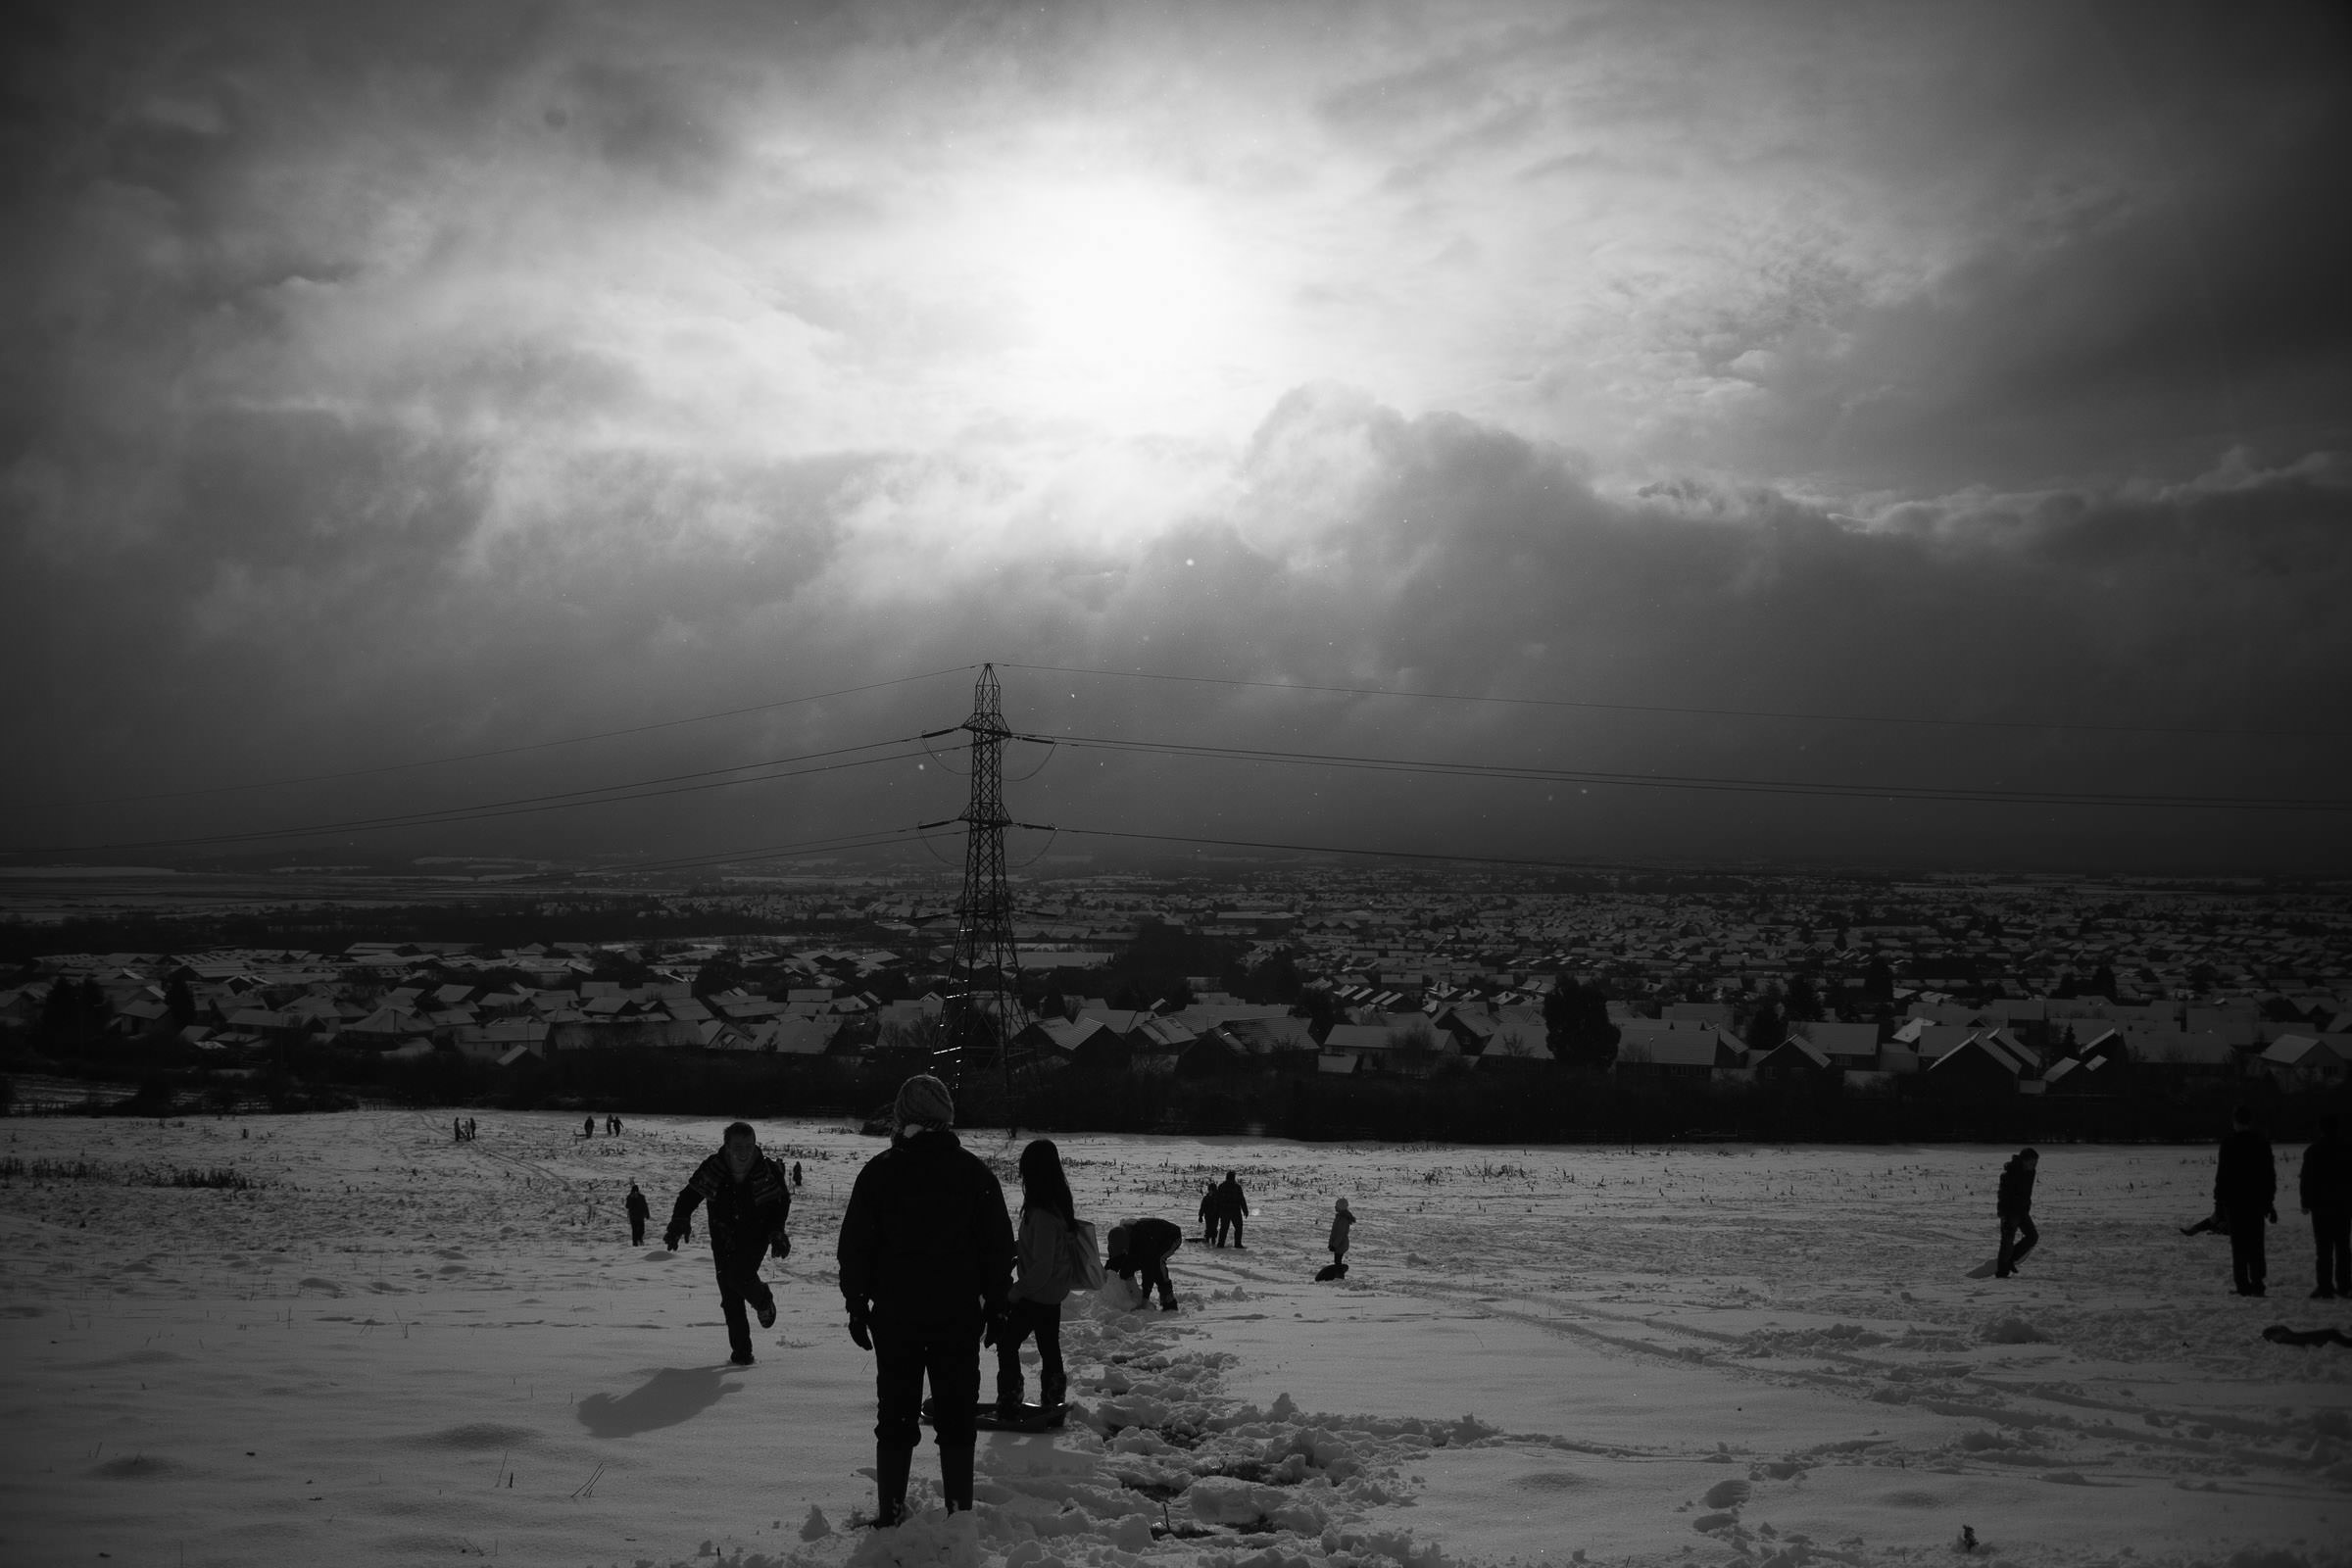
x=1032, y=1417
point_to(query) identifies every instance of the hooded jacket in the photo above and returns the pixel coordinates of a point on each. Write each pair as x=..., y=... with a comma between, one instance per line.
x=925, y=1245
x=2017, y=1188
x=1340, y=1224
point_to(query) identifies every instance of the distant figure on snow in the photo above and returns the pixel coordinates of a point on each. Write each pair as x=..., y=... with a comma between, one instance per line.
x=1208, y=1214
x=639, y=1213
x=456, y=1129
x=1341, y=1223
x=796, y=1173
x=925, y=1255
x=1033, y=1307
x=473, y=1128
x=1233, y=1206
x=2245, y=1187
x=2325, y=1188
x=748, y=1205
x=2015, y=1209
x=1140, y=1249
x=588, y=1128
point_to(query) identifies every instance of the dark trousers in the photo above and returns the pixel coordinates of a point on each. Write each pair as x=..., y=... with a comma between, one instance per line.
x=1022, y=1320
x=1216, y=1230
x=636, y=1230
x=1154, y=1273
x=2249, y=1266
x=2018, y=1237
x=902, y=1363
x=1237, y=1229
x=739, y=1282
x=2331, y=1236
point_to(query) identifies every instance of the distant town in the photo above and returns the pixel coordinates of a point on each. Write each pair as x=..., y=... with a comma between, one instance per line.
x=1962, y=987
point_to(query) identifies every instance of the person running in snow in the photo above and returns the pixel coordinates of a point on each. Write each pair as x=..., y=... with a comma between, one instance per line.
x=748, y=1206
x=1140, y=1249
x=926, y=1253
x=2245, y=1187
x=2013, y=1207
x=1341, y=1223
x=1049, y=1214
x=639, y=1213
x=1233, y=1208
x=2325, y=1186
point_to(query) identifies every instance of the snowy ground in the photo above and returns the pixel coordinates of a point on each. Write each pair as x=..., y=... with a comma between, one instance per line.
x=1762, y=1356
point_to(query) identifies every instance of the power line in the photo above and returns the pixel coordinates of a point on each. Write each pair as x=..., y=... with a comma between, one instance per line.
x=505, y=751
x=1700, y=713
x=1328, y=848
x=1889, y=792
x=872, y=839
x=601, y=795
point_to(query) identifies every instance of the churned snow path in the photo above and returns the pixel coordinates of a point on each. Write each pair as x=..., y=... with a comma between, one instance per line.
x=400, y=1349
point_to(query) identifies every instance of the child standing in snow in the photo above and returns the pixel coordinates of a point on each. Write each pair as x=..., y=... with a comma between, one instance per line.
x=1341, y=1220
x=1033, y=1307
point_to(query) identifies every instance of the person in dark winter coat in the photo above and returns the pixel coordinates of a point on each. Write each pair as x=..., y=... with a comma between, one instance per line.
x=2245, y=1187
x=926, y=1255
x=1140, y=1249
x=1033, y=1307
x=1233, y=1206
x=2015, y=1209
x=2325, y=1187
x=1341, y=1222
x=639, y=1213
x=749, y=1204
x=1210, y=1230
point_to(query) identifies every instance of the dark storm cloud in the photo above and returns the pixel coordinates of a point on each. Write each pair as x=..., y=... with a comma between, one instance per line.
x=450, y=379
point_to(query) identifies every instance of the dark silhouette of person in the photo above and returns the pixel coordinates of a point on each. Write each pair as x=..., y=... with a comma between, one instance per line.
x=1341, y=1222
x=639, y=1213
x=2014, y=1207
x=796, y=1173
x=1140, y=1249
x=1234, y=1208
x=1210, y=1230
x=588, y=1128
x=1041, y=1255
x=925, y=1255
x=748, y=1205
x=2325, y=1188
x=456, y=1129
x=473, y=1128
x=2245, y=1187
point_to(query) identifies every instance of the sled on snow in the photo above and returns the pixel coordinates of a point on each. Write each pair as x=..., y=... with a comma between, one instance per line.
x=1032, y=1417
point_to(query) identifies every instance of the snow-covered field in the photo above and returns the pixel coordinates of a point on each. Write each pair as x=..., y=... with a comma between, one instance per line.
x=405, y=1349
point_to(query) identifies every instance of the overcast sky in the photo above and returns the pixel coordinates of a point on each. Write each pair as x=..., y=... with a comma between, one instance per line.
x=380, y=383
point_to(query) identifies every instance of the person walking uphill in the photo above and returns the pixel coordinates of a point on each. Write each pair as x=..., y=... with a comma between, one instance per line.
x=2015, y=1208
x=1049, y=1215
x=1341, y=1223
x=2325, y=1187
x=749, y=1204
x=639, y=1213
x=926, y=1254
x=2245, y=1187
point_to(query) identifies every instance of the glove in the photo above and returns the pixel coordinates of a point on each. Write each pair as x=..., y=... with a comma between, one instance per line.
x=670, y=1240
x=858, y=1330
x=780, y=1247
x=993, y=1325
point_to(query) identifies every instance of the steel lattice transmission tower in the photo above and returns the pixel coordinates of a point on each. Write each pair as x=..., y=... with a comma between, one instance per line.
x=984, y=1010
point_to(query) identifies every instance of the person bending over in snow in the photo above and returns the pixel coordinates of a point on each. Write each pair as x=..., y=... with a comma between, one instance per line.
x=925, y=1255
x=2245, y=1187
x=1341, y=1223
x=2015, y=1209
x=1140, y=1249
x=748, y=1205
x=2326, y=1188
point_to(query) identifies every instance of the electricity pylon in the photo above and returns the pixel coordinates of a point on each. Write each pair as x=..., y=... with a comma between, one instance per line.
x=984, y=1010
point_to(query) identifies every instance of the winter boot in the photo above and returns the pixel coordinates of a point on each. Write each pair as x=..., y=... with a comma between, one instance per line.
x=1052, y=1389
x=956, y=1479
x=1008, y=1396
x=891, y=1466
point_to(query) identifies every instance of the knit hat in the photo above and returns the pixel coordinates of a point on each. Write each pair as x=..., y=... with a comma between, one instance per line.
x=923, y=1101
x=1342, y=1205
